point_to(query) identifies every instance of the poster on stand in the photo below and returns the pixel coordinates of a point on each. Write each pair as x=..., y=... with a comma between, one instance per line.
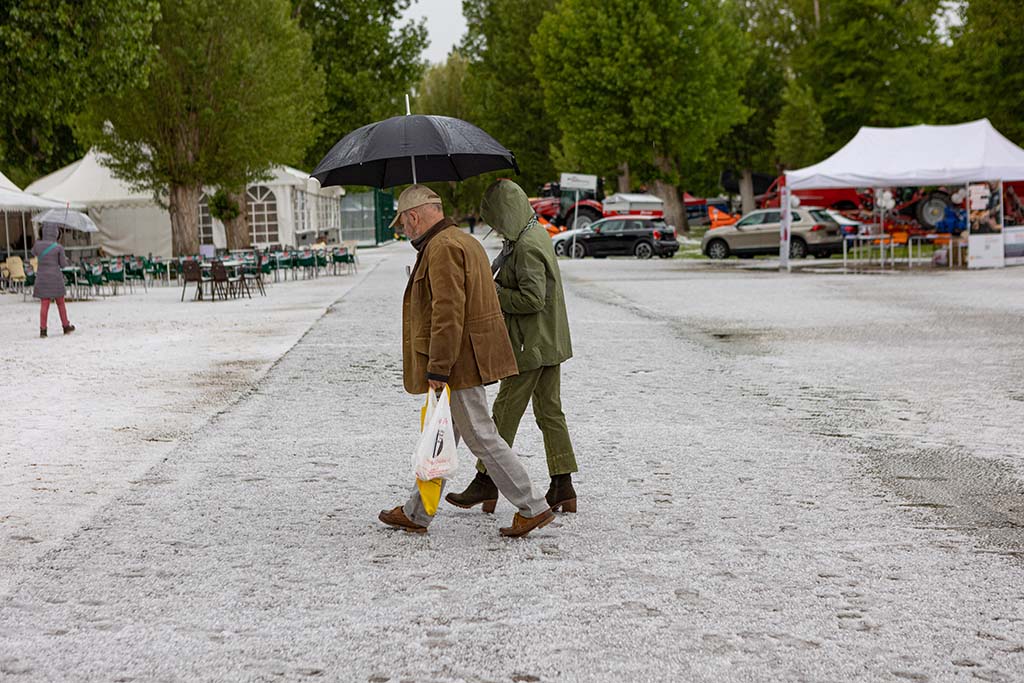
x=985, y=240
x=1013, y=246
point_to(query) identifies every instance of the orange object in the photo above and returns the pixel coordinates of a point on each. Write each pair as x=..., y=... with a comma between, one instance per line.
x=719, y=218
x=549, y=226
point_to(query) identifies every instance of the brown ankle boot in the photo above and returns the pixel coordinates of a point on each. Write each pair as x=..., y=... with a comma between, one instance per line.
x=480, y=490
x=561, y=494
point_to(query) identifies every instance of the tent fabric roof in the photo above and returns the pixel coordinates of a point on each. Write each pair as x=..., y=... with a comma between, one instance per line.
x=6, y=184
x=16, y=200
x=13, y=199
x=89, y=182
x=916, y=155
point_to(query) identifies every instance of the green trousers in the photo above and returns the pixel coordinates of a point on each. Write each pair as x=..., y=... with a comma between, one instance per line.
x=544, y=387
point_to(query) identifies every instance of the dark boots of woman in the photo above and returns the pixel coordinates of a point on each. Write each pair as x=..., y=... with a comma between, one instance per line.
x=561, y=494
x=480, y=490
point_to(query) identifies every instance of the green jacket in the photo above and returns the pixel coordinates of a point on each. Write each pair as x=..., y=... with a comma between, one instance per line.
x=529, y=281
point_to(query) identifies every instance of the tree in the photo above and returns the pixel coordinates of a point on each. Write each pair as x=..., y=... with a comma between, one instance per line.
x=799, y=133
x=238, y=96
x=502, y=90
x=868, y=65
x=771, y=29
x=442, y=92
x=647, y=82
x=986, y=66
x=370, y=62
x=53, y=54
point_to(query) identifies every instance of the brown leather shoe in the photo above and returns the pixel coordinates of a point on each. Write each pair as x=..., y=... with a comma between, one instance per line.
x=524, y=525
x=397, y=519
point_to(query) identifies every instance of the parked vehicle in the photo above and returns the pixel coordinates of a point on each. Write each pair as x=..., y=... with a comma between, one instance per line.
x=560, y=207
x=847, y=225
x=813, y=232
x=562, y=242
x=642, y=237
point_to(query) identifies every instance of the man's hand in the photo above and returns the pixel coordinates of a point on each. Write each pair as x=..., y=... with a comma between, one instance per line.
x=435, y=385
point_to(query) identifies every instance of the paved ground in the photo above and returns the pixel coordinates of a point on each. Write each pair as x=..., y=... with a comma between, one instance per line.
x=784, y=478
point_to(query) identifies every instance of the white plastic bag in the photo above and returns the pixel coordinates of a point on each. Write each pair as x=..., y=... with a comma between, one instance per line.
x=435, y=456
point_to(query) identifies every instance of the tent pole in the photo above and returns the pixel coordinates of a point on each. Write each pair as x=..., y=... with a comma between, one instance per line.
x=24, y=235
x=7, y=230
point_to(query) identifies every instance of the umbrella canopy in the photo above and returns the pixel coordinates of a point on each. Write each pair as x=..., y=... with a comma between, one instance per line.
x=73, y=220
x=416, y=148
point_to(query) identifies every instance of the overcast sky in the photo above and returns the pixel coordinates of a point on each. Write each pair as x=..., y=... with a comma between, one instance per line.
x=445, y=25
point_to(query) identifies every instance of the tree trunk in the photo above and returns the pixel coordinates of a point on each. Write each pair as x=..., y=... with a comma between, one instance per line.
x=237, y=229
x=747, y=191
x=184, y=208
x=625, y=182
x=675, y=209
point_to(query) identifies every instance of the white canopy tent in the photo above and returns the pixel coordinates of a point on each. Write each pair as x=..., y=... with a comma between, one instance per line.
x=132, y=222
x=17, y=205
x=129, y=222
x=916, y=155
x=961, y=154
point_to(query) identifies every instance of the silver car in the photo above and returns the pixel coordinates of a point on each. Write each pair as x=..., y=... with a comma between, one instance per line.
x=813, y=232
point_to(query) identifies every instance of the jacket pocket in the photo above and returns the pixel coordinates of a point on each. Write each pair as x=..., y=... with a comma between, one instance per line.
x=489, y=340
x=421, y=345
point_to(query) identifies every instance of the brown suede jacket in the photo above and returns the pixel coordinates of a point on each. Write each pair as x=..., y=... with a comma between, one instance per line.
x=452, y=326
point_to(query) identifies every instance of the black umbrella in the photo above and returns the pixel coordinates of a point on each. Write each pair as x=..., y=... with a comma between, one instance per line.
x=412, y=148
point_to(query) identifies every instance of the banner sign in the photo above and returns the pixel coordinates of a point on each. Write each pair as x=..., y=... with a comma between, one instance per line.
x=985, y=222
x=1013, y=246
x=578, y=181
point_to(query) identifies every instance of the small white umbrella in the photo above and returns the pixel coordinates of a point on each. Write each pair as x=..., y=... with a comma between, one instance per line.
x=73, y=220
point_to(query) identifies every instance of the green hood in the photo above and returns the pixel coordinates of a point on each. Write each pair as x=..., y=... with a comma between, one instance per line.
x=506, y=208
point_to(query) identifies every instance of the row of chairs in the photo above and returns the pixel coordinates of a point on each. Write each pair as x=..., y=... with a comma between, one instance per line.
x=220, y=281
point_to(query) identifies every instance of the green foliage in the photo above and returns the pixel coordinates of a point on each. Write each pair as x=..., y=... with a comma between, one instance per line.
x=369, y=60
x=987, y=66
x=238, y=96
x=799, y=133
x=647, y=82
x=763, y=82
x=53, y=54
x=502, y=90
x=869, y=64
x=442, y=92
x=223, y=207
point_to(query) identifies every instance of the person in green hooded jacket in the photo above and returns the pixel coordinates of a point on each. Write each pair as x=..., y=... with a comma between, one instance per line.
x=529, y=288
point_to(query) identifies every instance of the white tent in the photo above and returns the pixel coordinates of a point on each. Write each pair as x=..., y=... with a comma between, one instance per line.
x=16, y=205
x=916, y=155
x=129, y=222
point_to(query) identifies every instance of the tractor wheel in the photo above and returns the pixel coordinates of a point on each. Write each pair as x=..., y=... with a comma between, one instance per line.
x=932, y=208
x=585, y=217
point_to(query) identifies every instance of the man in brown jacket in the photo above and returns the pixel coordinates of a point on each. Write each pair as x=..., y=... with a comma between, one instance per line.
x=453, y=333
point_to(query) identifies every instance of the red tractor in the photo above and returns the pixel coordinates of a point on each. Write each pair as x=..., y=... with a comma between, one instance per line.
x=561, y=208
x=917, y=209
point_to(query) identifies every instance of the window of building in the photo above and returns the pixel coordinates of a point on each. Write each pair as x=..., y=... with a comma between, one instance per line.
x=261, y=205
x=205, y=221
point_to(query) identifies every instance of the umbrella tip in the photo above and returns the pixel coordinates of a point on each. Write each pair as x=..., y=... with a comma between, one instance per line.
x=408, y=109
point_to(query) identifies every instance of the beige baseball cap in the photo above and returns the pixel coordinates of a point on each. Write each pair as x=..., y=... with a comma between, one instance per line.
x=413, y=196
